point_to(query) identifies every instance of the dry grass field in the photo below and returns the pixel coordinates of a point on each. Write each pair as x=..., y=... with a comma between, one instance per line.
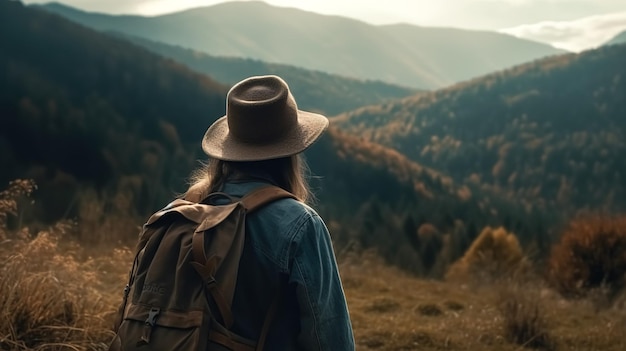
x=58, y=295
x=394, y=311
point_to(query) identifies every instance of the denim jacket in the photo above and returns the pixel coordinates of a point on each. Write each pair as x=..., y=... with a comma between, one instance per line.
x=289, y=247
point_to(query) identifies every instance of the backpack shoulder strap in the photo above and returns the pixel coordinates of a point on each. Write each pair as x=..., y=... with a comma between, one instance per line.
x=264, y=195
x=251, y=202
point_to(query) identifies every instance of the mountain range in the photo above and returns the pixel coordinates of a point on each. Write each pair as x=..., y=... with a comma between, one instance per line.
x=523, y=147
x=317, y=91
x=83, y=111
x=417, y=57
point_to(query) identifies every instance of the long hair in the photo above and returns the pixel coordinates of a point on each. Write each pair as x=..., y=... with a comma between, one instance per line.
x=289, y=173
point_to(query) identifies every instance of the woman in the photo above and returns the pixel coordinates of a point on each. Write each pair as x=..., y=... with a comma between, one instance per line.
x=288, y=248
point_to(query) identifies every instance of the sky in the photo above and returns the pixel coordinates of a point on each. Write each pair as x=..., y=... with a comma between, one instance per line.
x=573, y=25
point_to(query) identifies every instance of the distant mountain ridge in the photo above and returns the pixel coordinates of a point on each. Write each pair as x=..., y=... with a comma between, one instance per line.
x=400, y=54
x=316, y=91
x=618, y=39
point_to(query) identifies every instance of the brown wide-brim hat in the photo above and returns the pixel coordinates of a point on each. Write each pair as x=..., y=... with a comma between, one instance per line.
x=262, y=122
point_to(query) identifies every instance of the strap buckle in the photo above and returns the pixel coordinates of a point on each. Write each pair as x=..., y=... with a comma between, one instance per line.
x=152, y=316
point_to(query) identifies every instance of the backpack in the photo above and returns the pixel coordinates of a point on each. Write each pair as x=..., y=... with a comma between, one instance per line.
x=182, y=281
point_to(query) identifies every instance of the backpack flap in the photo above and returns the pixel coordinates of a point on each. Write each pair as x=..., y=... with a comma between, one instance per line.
x=206, y=215
x=218, y=261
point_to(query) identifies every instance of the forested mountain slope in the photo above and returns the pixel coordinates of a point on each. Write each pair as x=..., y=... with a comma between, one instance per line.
x=552, y=130
x=318, y=91
x=79, y=107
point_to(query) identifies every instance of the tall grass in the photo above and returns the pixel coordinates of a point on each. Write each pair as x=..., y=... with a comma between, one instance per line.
x=524, y=320
x=53, y=295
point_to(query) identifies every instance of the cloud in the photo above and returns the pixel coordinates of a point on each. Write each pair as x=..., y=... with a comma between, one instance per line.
x=159, y=7
x=578, y=35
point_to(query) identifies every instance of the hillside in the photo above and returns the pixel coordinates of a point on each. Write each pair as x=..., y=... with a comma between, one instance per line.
x=99, y=122
x=618, y=39
x=406, y=55
x=552, y=130
x=318, y=91
x=80, y=108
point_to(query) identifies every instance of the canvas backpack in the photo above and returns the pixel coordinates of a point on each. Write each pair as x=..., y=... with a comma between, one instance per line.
x=182, y=281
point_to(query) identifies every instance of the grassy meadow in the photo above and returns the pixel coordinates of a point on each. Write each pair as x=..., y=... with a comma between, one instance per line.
x=59, y=290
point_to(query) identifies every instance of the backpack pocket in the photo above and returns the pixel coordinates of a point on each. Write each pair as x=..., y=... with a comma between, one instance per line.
x=149, y=328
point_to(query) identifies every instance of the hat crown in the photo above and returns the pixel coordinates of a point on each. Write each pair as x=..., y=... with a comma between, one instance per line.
x=261, y=110
x=262, y=122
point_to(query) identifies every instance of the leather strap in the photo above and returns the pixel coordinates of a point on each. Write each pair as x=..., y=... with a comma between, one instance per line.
x=216, y=293
x=227, y=341
x=264, y=195
x=207, y=269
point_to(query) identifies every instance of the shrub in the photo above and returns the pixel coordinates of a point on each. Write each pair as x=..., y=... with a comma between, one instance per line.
x=430, y=244
x=591, y=256
x=9, y=199
x=494, y=254
x=454, y=305
x=523, y=320
x=383, y=305
x=429, y=309
x=376, y=340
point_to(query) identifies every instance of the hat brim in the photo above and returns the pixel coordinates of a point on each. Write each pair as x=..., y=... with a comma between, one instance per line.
x=218, y=143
